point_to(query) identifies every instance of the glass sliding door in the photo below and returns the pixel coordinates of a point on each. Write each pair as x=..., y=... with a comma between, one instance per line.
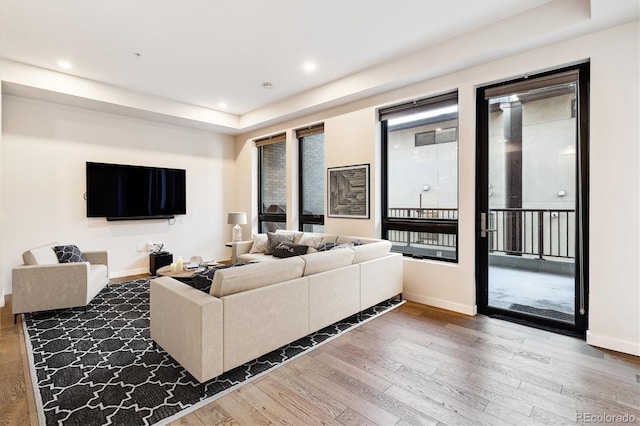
x=532, y=199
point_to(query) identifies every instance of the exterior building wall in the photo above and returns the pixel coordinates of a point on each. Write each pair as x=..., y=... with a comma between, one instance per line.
x=274, y=177
x=313, y=180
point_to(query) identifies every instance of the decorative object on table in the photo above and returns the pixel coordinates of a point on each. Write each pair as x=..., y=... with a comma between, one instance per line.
x=349, y=191
x=180, y=264
x=237, y=219
x=194, y=263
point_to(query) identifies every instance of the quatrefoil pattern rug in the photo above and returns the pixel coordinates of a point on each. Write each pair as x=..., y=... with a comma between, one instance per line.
x=100, y=367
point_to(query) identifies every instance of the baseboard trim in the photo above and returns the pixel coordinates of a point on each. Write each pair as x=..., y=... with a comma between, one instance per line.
x=129, y=272
x=442, y=304
x=613, y=344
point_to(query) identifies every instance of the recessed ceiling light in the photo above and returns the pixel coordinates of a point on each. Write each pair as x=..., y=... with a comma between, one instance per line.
x=64, y=64
x=309, y=66
x=267, y=85
x=222, y=105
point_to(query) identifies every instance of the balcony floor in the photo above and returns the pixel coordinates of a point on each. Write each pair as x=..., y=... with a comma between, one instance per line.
x=515, y=289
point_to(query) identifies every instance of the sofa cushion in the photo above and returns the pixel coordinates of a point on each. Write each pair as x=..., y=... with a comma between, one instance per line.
x=235, y=280
x=289, y=249
x=325, y=260
x=274, y=239
x=40, y=256
x=69, y=254
x=370, y=251
x=256, y=257
x=259, y=243
x=202, y=280
x=345, y=239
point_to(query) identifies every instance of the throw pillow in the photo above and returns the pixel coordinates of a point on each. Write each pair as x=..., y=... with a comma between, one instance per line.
x=311, y=240
x=296, y=234
x=259, y=243
x=326, y=246
x=289, y=250
x=340, y=245
x=69, y=254
x=274, y=239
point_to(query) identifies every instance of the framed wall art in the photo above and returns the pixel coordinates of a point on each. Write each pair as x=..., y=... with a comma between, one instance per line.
x=348, y=191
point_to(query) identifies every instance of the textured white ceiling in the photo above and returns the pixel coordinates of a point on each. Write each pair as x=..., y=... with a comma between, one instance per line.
x=207, y=52
x=196, y=54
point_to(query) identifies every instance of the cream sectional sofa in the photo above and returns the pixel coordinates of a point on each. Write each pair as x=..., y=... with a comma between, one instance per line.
x=256, y=308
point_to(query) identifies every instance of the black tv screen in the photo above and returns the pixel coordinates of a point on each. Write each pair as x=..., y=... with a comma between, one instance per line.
x=118, y=191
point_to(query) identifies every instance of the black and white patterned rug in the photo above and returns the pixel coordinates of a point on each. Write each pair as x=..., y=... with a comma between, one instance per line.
x=100, y=367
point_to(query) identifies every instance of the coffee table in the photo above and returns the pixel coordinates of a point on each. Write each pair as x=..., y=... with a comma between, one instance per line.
x=166, y=271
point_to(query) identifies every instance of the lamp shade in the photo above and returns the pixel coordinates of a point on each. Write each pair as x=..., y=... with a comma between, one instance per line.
x=237, y=218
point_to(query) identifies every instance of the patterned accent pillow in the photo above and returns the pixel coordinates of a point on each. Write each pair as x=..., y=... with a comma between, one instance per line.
x=274, y=239
x=69, y=254
x=289, y=250
x=326, y=246
x=312, y=240
x=259, y=243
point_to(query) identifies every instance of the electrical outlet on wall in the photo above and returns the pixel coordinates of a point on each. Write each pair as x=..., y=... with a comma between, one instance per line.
x=139, y=247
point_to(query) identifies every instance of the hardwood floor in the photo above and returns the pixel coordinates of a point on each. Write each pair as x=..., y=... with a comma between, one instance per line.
x=414, y=365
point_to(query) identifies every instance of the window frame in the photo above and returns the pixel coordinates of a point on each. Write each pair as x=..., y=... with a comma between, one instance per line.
x=308, y=219
x=419, y=225
x=262, y=216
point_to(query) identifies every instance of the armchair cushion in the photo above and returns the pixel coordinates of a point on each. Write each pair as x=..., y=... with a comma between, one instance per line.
x=69, y=254
x=43, y=255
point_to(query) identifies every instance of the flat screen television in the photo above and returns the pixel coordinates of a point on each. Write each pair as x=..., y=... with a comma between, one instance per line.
x=125, y=192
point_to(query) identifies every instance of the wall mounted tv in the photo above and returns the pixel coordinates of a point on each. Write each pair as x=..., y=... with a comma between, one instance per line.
x=124, y=192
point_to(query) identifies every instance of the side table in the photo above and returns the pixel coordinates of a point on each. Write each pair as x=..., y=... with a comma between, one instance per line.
x=158, y=260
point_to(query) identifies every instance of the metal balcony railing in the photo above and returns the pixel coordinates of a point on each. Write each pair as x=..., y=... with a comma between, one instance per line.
x=428, y=239
x=543, y=233
x=538, y=232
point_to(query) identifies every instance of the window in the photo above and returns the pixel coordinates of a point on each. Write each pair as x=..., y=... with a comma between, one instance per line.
x=420, y=177
x=272, y=183
x=312, y=190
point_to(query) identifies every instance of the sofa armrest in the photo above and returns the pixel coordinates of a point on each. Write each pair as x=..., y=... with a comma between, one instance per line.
x=239, y=248
x=45, y=287
x=187, y=323
x=100, y=257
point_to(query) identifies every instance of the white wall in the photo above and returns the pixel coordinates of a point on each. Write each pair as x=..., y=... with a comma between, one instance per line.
x=44, y=150
x=352, y=137
x=1, y=209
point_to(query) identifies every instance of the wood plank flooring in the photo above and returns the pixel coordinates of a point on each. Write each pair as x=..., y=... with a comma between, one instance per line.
x=415, y=365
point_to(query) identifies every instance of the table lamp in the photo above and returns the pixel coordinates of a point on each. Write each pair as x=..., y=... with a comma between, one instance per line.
x=237, y=219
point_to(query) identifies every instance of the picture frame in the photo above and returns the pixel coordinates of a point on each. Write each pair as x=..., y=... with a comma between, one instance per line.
x=348, y=191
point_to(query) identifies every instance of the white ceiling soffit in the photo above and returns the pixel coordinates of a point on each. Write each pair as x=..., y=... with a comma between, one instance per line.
x=196, y=55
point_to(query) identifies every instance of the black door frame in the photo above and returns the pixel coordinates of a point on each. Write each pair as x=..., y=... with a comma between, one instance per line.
x=582, y=211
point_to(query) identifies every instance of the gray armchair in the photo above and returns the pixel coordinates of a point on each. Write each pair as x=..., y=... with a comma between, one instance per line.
x=43, y=284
